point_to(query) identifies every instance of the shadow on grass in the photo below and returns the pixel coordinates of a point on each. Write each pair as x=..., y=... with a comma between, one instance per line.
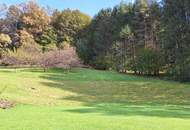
x=136, y=110
x=112, y=94
x=90, y=75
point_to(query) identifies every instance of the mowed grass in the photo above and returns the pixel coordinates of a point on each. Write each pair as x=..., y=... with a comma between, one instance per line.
x=85, y=99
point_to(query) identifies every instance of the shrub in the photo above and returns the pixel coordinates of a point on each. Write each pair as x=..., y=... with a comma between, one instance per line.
x=180, y=70
x=60, y=59
x=101, y=62
x=148, y=62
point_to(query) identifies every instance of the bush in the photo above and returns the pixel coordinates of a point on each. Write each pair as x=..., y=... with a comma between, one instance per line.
x=66, y=59
x=180, y=70
x=101, y=62
x=148, y=62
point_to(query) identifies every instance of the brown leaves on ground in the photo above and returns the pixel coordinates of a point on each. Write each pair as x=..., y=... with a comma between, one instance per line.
x=5, y=104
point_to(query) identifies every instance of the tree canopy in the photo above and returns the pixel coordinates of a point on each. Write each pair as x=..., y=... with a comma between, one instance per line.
x=145, y=37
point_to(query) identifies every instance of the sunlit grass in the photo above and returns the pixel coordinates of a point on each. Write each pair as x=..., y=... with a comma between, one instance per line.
x=85, y=99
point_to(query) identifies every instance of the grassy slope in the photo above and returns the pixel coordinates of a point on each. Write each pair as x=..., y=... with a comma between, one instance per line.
x=86, y=99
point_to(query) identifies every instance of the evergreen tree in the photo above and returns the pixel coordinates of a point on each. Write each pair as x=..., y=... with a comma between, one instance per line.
x=176, y=37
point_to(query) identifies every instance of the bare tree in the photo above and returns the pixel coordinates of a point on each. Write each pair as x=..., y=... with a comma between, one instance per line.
x=60, y=59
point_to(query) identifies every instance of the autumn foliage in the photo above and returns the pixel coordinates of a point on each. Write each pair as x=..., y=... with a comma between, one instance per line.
x=31, y=35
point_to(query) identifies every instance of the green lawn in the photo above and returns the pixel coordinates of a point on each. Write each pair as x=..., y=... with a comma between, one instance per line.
x=85, y=99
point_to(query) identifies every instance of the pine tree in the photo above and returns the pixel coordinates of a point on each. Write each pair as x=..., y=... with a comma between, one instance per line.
x=139, y=21
x=176, y=37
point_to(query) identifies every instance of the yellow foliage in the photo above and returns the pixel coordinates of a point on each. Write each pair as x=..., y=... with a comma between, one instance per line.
x=5, y=39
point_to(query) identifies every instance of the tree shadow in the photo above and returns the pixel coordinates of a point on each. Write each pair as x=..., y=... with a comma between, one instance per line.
x=122, y=95
x=164, y=111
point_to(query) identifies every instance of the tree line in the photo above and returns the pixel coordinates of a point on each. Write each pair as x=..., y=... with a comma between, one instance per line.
x=39, y=36
x=146, y=37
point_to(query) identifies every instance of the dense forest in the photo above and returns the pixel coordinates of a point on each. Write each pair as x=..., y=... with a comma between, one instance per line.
x=145, y=37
